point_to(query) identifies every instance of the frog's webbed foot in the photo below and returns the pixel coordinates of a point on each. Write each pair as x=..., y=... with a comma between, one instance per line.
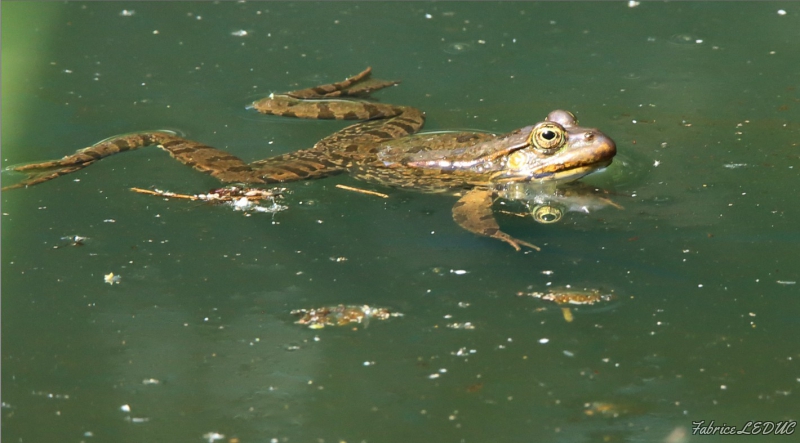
x=329, y=101
x=44, y=171
x=358, y=85
x=473, y=212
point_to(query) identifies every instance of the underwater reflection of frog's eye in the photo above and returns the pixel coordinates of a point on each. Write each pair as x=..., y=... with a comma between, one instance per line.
x=547, y=136
x=547, y=214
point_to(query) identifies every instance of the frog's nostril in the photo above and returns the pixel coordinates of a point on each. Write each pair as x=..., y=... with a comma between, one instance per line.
x=589, y=136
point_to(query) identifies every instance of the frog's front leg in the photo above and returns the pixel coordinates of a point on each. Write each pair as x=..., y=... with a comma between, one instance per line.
x=473, y=212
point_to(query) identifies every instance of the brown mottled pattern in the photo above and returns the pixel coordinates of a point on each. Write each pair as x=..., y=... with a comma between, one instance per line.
x=327, y=157
x=379, y=149
x=333, y=89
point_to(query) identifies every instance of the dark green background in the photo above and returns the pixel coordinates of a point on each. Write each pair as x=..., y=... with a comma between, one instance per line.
x=702, y=256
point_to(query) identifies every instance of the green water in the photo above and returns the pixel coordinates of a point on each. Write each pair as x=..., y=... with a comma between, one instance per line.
x=700, y=97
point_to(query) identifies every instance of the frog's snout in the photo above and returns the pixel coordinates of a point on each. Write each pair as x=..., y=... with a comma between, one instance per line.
x=603, y=146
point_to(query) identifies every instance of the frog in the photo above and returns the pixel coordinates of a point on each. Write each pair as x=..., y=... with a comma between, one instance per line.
x=385, y=148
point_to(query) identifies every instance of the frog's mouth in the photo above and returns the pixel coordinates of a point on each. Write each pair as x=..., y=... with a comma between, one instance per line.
x=570, y=173
x=564, y=166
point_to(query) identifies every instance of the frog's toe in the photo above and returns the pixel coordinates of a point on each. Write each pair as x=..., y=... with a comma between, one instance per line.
x=529, y=245
x=515, y=242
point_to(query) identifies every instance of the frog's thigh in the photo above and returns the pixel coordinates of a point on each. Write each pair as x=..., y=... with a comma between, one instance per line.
x=473, y=212
x=220, y=164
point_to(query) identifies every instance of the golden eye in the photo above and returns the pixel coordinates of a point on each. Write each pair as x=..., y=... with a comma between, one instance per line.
x=548, y=136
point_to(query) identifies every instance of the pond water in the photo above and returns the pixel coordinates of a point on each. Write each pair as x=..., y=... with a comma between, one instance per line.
x=196, y=341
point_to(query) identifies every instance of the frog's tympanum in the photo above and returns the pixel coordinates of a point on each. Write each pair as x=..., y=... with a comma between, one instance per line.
x=384, y=149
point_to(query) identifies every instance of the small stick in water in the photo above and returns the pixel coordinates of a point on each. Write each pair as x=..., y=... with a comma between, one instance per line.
x=164, y=194
x=363, y=191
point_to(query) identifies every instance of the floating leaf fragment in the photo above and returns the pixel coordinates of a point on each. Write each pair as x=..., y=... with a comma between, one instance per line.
x=341, y=315
x=606, y=409
x=572, y=297
x=568, y=296
x=465, y=325
x=112, y=278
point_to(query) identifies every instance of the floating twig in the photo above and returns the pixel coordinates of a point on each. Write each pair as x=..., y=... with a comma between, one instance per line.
x=363, y=191
x=240, y=199
x=164, y=194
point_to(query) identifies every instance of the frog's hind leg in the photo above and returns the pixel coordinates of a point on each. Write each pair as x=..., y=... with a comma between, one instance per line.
x=219, y=164
x=473, y=212
x=299, y=165
x=359, y=85
x=329, y=102
x=45, y=171
x=338, y=151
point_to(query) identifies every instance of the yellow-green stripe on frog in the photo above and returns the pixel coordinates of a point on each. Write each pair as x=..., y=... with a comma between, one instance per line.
x=383, y=148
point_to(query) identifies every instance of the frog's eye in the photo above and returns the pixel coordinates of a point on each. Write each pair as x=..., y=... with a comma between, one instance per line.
x=548, y=136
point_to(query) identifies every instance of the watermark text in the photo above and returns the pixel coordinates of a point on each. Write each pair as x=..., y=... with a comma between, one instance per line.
x=749, y=428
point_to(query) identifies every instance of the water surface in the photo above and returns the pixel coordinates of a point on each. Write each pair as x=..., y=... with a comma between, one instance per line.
x=197, y=337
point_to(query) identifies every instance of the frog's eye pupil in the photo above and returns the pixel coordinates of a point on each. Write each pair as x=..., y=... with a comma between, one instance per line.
x=547, y=137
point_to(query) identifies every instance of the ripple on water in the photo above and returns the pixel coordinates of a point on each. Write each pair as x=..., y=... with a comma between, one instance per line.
x=687, y=40
x=457, y=47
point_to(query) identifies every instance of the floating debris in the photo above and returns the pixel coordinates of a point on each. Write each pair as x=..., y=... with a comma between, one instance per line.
x=465, y=325
x=211, y=437
x=473, y=388
x=362, y=191
x=570, y=297
x=685, y=39
x=112, y=279
x=72, y=240
x=568, y=317
x=341, y=315
x=239, y=198
x=50, y=395
x=463, y=352
x=438, y=374
x=457, y=47
x=605, y=409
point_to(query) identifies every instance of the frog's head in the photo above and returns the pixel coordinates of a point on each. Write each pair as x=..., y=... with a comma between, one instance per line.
x=556, y=149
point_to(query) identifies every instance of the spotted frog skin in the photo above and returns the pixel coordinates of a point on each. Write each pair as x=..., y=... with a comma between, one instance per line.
x=384, y=148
